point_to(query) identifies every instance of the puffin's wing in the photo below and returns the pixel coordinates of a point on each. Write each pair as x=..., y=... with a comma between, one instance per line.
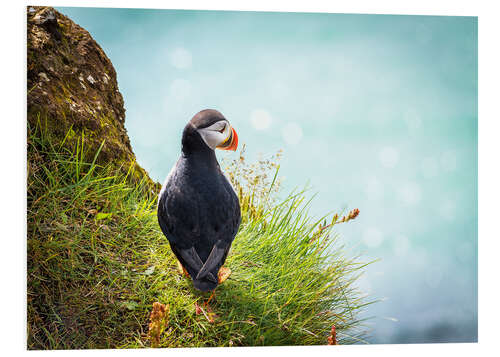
x=187, y=255
x=230, y=217
x=174, y=225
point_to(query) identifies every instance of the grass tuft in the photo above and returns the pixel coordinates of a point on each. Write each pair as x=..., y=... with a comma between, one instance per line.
x=101, y=274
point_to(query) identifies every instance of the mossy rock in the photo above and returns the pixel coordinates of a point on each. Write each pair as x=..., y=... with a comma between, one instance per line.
x=72, y=90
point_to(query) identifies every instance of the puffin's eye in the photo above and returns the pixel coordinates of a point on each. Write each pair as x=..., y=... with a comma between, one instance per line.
x=222, y=130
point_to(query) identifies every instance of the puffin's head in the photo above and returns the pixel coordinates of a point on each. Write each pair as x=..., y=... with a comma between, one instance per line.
x=215, y=130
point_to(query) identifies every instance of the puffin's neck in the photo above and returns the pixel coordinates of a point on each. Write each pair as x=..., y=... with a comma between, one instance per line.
x=195, y=151
x=201, y=158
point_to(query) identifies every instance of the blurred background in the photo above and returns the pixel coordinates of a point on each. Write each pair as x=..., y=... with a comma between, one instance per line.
x=376, y=112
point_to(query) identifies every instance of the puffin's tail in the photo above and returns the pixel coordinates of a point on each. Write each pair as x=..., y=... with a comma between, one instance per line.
x=204, y=275
x=204, y=284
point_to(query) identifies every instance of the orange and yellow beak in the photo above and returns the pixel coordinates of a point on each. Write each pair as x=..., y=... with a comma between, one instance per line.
x=231, y=143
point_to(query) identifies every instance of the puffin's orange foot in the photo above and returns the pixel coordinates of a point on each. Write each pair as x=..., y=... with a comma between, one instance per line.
x=224, y=273
x=210, y=298
x=182, y=270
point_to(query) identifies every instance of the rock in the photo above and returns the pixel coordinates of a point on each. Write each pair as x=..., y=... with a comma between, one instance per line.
x=45, y=17
x=91, y=79
x=43, y=76
x=61, y=57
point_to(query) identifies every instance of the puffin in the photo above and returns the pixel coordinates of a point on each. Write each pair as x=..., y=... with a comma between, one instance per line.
x=198, y=208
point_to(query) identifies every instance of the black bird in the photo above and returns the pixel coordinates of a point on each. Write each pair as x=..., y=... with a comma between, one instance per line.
x=198, y=209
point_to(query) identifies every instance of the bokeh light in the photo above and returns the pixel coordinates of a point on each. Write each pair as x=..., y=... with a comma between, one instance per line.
x=292, y=133
x=261, y=119
x=430, y=167
x=401, y=245
x=413, y=121
x=181, y=58
x=410, y=193
x=373, y=237
x=389, y=157
x=448, y=209
x=373, y=188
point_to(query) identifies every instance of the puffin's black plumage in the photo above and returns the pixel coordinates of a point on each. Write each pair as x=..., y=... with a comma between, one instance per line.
x=198, y=210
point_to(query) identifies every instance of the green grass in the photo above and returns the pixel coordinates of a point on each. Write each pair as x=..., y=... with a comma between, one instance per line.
x=97, y=261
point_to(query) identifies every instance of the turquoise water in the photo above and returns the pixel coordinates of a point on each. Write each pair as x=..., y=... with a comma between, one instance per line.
x=375, y=112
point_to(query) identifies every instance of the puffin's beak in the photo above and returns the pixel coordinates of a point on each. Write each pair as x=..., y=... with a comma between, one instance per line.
x=231, y=143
